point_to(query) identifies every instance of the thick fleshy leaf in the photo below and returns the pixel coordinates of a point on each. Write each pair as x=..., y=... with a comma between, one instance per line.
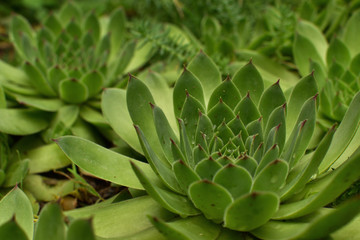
x=164, y=132
x=193, y=228
x=271, y=99
x=323, y=191
x=138, y=97
x=184, y=174
x=272, y=177
x=50, y=224
x=339, y=52
x=303, y=50
x=251, y=211
x=93, y=81
x=325, y=222
x=270, y=155
x=73, y=91
x=56, y=75
x=116, y=27
x=211, y=198
x=115, y=110
x=11, y=230
x=163, y=169
x=302, y=91
x=23, y=121
x=355, y=65
x=69, y=11
x=45, y=104
x=187, y=82
x=295, y=183
x=38, y=80
x=16, y=203
x=80, y=229
x=249, y=80
x=204, y=131
x=102, y=162
x=171, y=201
x=190, y=116
x=228, y=92
x=207, y=72
x=121, y=219
x=275, y=131
x=235, y=179
x=91, y=24
x=351, y=35
x=248, y=163
x=46, y=189
x=314, y=35
x=220, y=112
x=346, y=137
x=237, y=127
x=207, y=168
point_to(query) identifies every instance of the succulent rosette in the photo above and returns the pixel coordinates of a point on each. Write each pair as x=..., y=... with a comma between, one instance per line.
x=66, y=63
x=232, y=158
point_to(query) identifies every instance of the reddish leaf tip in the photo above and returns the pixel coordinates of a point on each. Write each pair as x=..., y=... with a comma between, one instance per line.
x=152, y=105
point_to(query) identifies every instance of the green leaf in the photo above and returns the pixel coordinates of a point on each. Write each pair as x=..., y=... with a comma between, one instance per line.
x=303, y=50
x=302, y=91
x=248, y=163
x=171, y=201
x=207, y=168
x=323, y=191
x=102, y=162
x=16, y=203
x=38, y=80
x=93, y=81
x=73, y=91
x=219, y=113
x=190, y=83
x=11, y=230
x=343, y=144
x=325, y=221
x=116, y=27
x=275, y=131
x=355, y=65
x=228, y=92
x=68, y=12
x=270, y=155
x=162, y=169
x=211, y=198
x=56, y=75
x=251, y=211
x=122, y=219
x=300, y=179
x=351, y=35
x=192, y=228
x=50, y=224
x=45, y=104
x=339, y=52
x=18, y=27
x=23, y=121
x=315, y=36
x=53, y=24
x=80, y=229
x=235, y=179
x=92, y=25
x=271, y=99
x=272, y=177
x=207, y=72
x=249, y=80
x=138, y=99
x=16, y=172
x=184, y=174
x=204, y=131
x=114, y=108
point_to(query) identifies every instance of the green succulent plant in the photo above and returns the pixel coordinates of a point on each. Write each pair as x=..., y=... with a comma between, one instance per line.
x=336, y=64
x=17, y=221
x=239, y=162
x=66, y=64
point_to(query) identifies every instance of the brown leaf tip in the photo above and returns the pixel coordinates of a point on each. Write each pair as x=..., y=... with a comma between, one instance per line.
x=152, y=105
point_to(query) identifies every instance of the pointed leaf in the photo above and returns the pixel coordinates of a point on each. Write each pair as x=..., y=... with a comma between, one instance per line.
x=228, y=92
x=207, y=168
x=272, y=177
x=251, y=211
x=11, y=230
x=220, y=112
x=235, y=179
x=190, y=83
x=184, y=174
x=207, y=72
x=102, y=162
x=247, y=110
x=249, y=80
x=339, y=52
x=350, y=33
x=171, y=201
x=80, y=229
x=93, y=81
x=17, y=203
x=38, y=80
x=50, y=224
x=73, y=91
x=211, y=198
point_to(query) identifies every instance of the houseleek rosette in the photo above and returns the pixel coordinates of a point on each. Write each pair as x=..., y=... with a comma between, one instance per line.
x=239, y=160
x=66, y=64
